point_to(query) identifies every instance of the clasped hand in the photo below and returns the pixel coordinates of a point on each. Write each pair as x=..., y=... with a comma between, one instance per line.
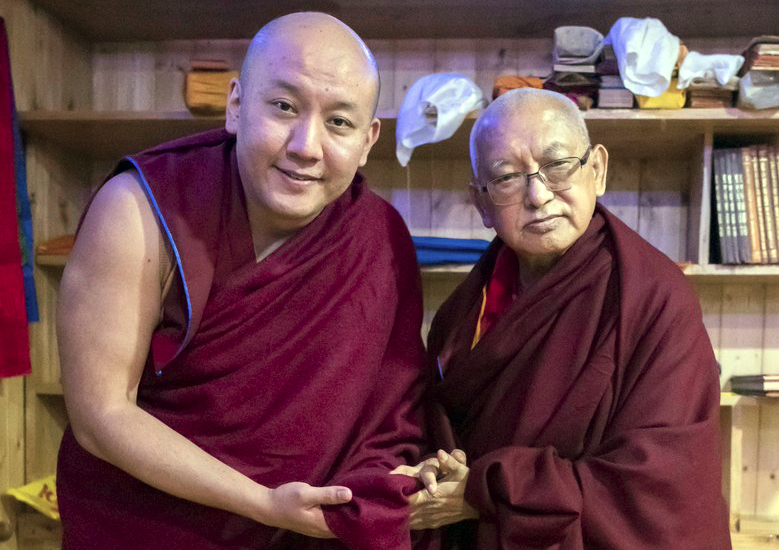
x=297, y=506
x=442, y=501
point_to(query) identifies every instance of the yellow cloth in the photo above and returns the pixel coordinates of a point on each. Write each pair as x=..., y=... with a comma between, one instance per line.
x=41, y=495
x=672, y=98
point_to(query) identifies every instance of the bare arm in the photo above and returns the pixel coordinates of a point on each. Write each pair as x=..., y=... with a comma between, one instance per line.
x=109, y=304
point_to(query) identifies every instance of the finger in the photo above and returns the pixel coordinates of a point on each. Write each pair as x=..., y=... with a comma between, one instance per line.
x=428, y=476
x=406, y=470
x=317, y=496
x=450, y=465
x=459, y=456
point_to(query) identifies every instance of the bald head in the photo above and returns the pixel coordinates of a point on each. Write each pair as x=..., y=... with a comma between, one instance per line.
x=514, y=103
x=310, y=30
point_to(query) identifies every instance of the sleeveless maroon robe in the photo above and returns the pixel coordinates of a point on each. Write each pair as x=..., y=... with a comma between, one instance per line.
x=590, y=410
x=306, y=366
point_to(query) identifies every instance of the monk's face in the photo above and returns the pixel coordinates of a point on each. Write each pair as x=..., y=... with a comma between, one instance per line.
x=543, y=224
x=304, y=123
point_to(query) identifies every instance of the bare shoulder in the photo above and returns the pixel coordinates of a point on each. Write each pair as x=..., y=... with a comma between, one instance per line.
x=118, y=244
x=119, y=227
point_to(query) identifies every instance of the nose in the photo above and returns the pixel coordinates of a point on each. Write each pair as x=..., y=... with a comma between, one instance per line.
x=305, y=140
x=537, y=193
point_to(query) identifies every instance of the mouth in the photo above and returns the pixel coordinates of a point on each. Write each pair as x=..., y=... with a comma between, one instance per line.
x=301, y=177
x=547, y=223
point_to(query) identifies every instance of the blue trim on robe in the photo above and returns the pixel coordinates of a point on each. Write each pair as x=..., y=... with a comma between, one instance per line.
x=179, y=265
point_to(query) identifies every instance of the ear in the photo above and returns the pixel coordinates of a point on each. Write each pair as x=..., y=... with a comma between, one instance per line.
x=480, y=200
x=233, y=106
x=370, y=139
x=599, y=157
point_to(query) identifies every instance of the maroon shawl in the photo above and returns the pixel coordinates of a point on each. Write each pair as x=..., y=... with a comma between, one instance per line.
x=590, y=410
x=14, y=339
x=306, y=366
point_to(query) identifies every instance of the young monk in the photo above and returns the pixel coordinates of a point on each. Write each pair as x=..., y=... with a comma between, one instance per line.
x=572, y=364
x=239, y=324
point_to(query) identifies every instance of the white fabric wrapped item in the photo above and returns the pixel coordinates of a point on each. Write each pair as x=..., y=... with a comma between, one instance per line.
x=758, y=90
x=576, y=45
x=646, y=54
x=723, y=67
x=433, y=109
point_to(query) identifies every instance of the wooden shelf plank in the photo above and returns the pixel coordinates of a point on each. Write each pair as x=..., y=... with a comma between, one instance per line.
x=48, y=388
x=739, y=273
x=730, y=399
x=707, y=273
x=205, y=19
x=58, y=260
x=112, y=134
x=673, y=133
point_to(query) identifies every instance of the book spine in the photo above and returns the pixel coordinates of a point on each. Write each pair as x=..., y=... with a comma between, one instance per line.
x=768, y=203
x=737, y=175
x=750, y=198
x=773, y=169
x=720, y=204
x=731, y=218
x=759, y=195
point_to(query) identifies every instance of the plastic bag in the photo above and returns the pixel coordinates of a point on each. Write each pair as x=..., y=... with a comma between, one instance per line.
x=646, y=54
x=723, y=67
x=432, y=110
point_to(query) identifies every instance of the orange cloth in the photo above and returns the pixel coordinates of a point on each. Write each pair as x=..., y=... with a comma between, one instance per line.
x=504, y=83
x=499, y=292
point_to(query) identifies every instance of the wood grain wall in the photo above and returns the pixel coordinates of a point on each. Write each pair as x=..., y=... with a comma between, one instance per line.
x=651, y=194
x=55, y=70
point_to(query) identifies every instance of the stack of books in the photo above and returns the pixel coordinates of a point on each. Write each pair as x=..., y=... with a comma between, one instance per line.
x=746, y=204
x=765, y=385
x=759, y=84
x=576, y=52
x=707, y=93
x=612, y=93
x=762, y=54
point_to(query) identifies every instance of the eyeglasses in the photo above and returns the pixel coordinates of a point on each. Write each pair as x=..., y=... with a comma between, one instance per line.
x=556, y=176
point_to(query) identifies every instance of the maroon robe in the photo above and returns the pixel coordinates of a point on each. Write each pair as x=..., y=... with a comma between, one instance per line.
x=306, y=366
x=590, y=410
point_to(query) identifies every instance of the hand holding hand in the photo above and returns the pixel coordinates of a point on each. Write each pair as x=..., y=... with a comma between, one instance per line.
x=297, y=506
x=442, y=501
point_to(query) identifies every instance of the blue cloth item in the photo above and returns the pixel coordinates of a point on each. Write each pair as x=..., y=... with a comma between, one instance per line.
x=25, y=222
x=442, y=250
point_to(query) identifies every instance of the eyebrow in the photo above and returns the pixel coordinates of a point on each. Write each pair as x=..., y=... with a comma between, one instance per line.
x=349, y=106
x=551, y=152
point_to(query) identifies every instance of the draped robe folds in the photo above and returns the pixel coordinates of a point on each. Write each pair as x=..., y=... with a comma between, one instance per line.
x=590, y=410
x=305, y=366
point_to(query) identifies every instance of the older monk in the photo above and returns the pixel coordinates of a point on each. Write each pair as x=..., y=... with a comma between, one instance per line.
x=572, y=366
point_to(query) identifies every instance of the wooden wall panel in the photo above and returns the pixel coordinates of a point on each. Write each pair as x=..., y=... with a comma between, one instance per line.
x=384, y=52
x=12, y=451
x=649, y=194
x=51, y=70
x=771, y=330
x=50, y=67
x=767, y=496
x=663, y=204
x=622, y=190
x=140, y=76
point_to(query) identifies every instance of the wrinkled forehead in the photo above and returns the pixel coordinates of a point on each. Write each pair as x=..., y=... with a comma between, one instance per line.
x=530, y=132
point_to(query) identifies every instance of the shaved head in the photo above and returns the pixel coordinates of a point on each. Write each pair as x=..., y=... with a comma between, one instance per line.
x=524, y=100
x=312, y=30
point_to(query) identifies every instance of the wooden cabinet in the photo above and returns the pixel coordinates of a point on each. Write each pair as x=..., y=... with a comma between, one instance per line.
x=89, y=91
